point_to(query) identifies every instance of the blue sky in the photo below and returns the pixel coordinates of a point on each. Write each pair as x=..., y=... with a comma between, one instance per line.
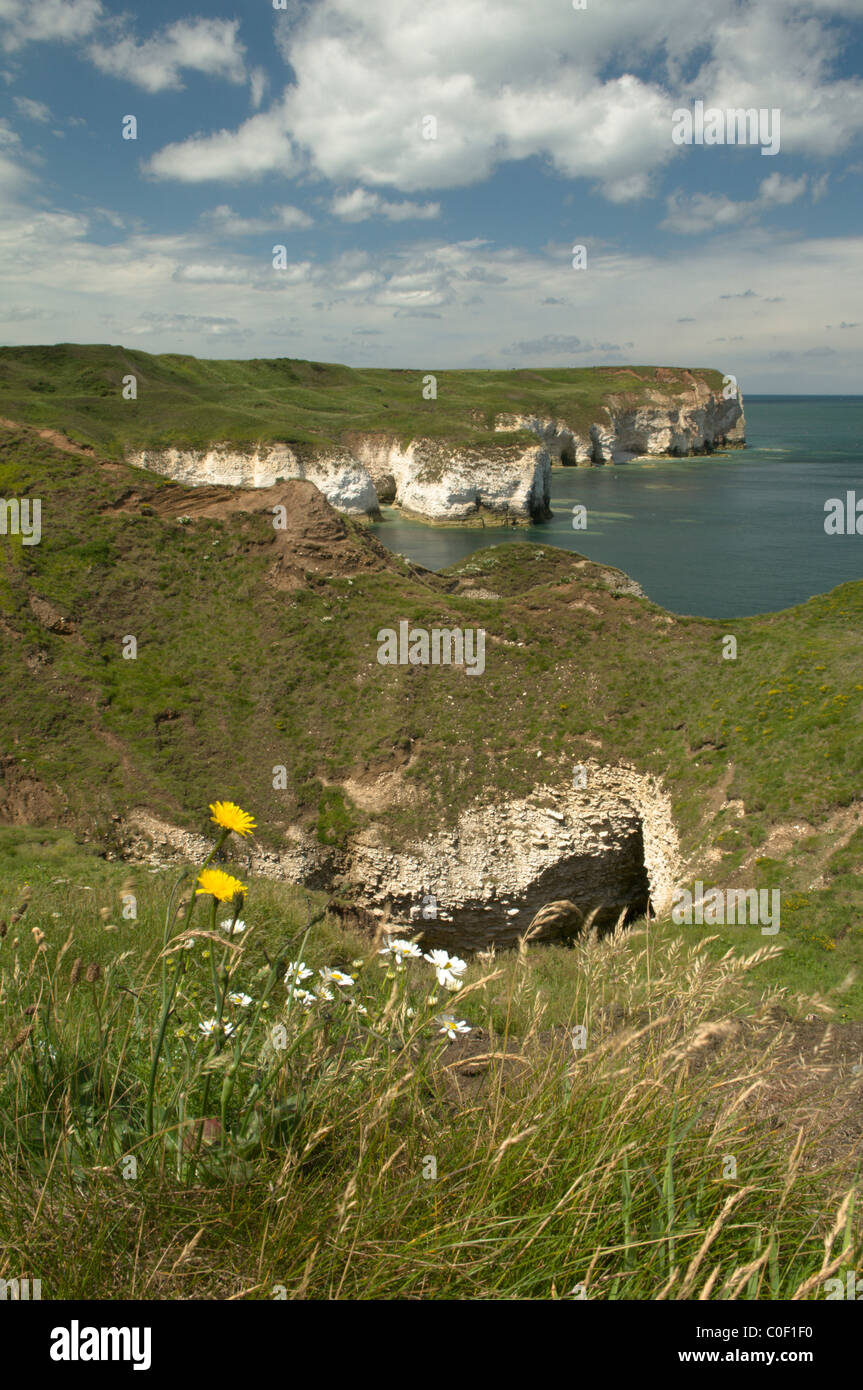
x=303, y=126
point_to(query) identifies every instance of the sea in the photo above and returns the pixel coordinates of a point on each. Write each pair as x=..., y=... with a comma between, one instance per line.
x=723, y=535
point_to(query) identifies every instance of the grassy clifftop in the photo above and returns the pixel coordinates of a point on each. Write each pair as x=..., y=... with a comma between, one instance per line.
x=191, y=402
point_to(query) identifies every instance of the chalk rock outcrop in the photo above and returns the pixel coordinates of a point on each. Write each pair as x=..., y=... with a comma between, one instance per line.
x=428, y=479
x=437, y=481
x=696, y=420
x=343, y=481
x=603, y=851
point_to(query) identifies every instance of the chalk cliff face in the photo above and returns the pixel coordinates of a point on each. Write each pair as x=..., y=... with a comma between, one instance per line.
x=607, y=849
x=438, y=481
x=428, y=479
x=695, y=421
x=344, y=482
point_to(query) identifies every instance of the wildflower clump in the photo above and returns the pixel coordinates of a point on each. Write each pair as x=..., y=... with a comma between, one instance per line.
x=214, y=1056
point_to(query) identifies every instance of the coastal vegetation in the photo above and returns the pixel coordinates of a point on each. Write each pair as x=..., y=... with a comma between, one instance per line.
x=178, y=1121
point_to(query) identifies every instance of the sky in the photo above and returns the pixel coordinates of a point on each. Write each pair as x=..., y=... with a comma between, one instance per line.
x=428, y=170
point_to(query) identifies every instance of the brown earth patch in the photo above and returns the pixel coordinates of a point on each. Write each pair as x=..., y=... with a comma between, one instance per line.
x=310, y=537
x=24, y=799
x=52, y=437
x=783, y=838
x=50, y=617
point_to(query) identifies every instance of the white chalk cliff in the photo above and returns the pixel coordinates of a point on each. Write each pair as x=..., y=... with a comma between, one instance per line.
x=695, y=421
x=344, y=482
x=438, y=481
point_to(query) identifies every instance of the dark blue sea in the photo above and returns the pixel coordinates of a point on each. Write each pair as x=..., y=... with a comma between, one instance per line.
x=720, y=536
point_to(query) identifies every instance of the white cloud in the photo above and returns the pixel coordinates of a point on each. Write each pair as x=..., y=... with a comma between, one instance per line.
x=553, y=346
x=33, y=110
x=777, y=190
x=819, y=187
x=13, y=178
x=258, y=83
x=9, y=138
x=57, y=21
x=364, y=77
x=183, y=324
x=22, y=313
x=210, y=46
x=241, y=271
x=260, y=146
x=287, y=217
x=361, y=204
x=775, y=55
x=226, y=222
x=697, y=213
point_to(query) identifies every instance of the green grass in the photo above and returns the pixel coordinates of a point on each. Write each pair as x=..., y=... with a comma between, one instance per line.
x=603, y=1169
x=191, y=402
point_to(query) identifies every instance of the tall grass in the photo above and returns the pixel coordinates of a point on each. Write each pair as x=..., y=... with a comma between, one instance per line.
x=344, y=1148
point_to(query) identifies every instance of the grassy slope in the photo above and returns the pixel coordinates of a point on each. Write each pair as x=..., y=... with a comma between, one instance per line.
x=234, y=677
x=190, y=402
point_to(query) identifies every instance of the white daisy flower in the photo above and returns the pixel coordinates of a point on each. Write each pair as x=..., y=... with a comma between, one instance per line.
x=323, y=995
x=400, y=950
x=237, y=928
x=305, y=997
x=447, y=967
x=211, y=1026
x=336, y=977
x=296, y=972
x=452, y=1028
x=242, y=1001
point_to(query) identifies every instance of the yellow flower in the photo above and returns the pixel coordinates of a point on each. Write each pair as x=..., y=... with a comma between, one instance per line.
x=229, y=816
x=220, y=885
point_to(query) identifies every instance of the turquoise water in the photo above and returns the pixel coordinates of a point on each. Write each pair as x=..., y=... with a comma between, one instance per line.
x=721, y=536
